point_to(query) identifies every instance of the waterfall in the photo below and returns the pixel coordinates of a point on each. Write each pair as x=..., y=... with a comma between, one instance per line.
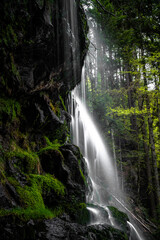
x=87, y=137
x=103, y=187
x=102, y=179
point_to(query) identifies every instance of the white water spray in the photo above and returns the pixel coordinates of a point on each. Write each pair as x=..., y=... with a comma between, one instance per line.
x=101, y=172
x=134, y=232
x=100, y=165
x=102, y=177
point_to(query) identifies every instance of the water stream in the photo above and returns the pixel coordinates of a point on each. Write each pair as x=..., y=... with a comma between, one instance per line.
x=103, y=188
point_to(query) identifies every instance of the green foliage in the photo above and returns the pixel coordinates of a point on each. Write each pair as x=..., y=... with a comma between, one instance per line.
x=47, y=183
x=27, y=160
x=63, y=134
x=9, y=36
x=82, y=175
x=31, y=196
x=10, y=107
x=30, y=213
x=55, y=145
x=14, y=69
x=62, y=102
x=78, y=211
x=119, y=111
x=55, y=108
x=120, y=217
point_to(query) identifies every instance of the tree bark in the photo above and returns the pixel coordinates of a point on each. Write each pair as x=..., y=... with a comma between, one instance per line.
x=151, y=138
x=148, y=163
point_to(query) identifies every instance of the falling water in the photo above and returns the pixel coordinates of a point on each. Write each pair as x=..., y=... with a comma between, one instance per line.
x=134, y=232
x=86, y=136
x=103, y=186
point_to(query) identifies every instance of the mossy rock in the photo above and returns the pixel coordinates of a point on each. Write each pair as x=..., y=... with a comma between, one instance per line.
x=78, y=212
x=31, y=197
x=120, y=218
x=25, y=160
x=103, y=232
x=52, y=163
x=48, y=183
x=10, y=108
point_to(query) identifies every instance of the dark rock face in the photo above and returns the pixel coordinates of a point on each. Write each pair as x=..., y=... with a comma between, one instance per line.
x=42, y=175
x=59, y=228
x=41, y=56
x=40, y=53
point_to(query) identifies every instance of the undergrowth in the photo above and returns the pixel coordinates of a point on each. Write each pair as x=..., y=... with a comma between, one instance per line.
x=26, y=214
x=47, y=183
x=55, y=145
x=10, y=107
x=28, y=160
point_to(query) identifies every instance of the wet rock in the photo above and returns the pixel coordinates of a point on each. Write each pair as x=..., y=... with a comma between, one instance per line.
x=61, y=164
x=6, y=201
x=36, y=71
x=120, y=218
x=15, y=172
x=52, y=162
x=57, y=229
x=76, y=185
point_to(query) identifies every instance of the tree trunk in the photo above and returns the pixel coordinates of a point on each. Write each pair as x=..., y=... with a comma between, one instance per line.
x=114, y=155
x=121, y=165
x=153, y=151
x=151, y=138
x=148, y=163
x=111, y=79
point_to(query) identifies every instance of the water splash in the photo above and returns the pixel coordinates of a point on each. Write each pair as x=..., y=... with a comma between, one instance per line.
x=134, y=233
x=100, y=166
x=102, y=178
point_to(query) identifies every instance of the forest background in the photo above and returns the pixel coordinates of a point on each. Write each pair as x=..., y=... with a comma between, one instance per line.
x=123, y=92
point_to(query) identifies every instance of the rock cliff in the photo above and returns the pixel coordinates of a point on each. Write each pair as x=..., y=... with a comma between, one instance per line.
x=41, y=172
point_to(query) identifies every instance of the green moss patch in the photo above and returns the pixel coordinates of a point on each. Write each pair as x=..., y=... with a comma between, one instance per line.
x=121, y=218
x=78, y=212
x=47, y=183
x=30, y=196
x=27, y=161
x=29, y=213
x=62, y=102
x=9, y=107
x=82, y=175
x=31, y=200
x=55, y=145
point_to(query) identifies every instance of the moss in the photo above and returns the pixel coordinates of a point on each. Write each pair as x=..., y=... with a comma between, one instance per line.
x=55, y=108
x=27, y=161
x=14, y=70
x=30, y=196
x=120, y=217
x=32, y=204
x=62, y=133
x=109, y=233
x=25, y=214
x=55, y=145
x=2, y=165
x=10, y=107
x=82, y=175
x=79, y=157
x=62, y=102
x=78, y=212
x=48, y=182
x=9, y=36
